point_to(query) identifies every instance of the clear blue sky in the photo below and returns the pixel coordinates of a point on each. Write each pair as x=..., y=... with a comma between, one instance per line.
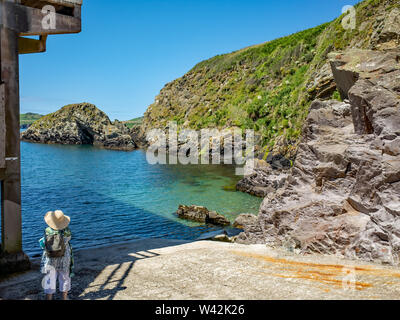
x=128, y=49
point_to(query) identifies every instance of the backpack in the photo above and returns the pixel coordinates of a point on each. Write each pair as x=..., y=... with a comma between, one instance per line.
x=54, y=244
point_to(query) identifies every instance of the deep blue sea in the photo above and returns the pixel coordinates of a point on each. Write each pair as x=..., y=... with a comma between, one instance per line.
x=114, y=196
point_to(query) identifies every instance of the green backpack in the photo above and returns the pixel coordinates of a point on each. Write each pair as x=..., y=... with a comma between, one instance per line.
x=54, y=244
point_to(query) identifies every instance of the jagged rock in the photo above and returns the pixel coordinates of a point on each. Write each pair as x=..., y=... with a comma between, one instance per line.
x=217, y=219
x=322, y=84
x=278, y=161
x=117, y=141
x=391, y=28
x=364, y=64
x=80, y=124
x=194, y=213
x=250, y=225
x=201, y=214
x=138, y=136
x=284, y=148
x=387, y=31
x=245, y=219
x=375, y=110
x=342, y=196
x=262, y=180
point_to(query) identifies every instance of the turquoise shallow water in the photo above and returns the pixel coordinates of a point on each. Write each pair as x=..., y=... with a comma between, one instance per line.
x=116, y=196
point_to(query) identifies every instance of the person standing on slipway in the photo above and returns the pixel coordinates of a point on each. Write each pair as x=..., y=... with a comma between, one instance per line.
x=57, y=259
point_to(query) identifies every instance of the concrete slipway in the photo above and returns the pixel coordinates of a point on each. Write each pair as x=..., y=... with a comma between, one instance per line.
x=170, y=269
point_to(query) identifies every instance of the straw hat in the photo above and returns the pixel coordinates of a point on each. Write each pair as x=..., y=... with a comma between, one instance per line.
x=57, y=220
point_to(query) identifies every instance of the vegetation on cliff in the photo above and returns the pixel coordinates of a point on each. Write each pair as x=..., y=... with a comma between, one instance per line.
x=134, y=122
x=267, y=87
x=26, y=119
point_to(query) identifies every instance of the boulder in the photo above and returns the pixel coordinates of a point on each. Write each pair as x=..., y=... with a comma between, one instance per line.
x=342, y=194
x=194, y=213
x=217, y=219
x=201, y=214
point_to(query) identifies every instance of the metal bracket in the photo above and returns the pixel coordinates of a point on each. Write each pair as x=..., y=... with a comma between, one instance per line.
x=28, y=45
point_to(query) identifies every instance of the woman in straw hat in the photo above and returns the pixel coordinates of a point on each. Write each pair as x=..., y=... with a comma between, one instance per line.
x=58, y=265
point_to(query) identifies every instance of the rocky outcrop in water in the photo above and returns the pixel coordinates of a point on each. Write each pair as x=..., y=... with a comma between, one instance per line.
x=201, y=214
x=80, y=124
x=342, y=196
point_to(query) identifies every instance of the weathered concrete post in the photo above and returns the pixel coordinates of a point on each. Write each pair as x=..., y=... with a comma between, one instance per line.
x=13, y=257
x=19, y=18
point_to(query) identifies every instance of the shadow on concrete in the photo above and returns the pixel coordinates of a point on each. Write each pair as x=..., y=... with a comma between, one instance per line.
x=100, y=274
x=118, y=260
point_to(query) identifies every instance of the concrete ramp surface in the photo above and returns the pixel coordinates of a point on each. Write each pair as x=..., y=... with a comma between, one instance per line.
x=171, y=269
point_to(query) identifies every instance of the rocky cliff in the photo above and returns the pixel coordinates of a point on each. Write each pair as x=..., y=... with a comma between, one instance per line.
x=269, y=87
x=80, y=124
x=343, y=194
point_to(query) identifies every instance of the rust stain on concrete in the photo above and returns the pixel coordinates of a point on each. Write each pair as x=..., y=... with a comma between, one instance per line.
x=324, y=279
x=327, y=274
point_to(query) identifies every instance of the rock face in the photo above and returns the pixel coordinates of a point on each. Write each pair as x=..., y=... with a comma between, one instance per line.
x=387, y=30
x=228, y=146
x=342, y=196
x=80, y=124
x=263, y=180
x=201, y=214
x=244, y=220
x=138, y=137
x=322, y=85
x=365, y=64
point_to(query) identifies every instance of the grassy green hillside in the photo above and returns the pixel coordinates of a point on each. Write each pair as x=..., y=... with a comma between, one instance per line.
x=133, y=122
x=26, y=119
x=267, y=87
